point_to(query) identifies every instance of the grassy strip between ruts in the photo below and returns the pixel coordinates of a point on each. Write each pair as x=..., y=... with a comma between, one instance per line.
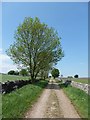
x=79, y=99
x=16, y=103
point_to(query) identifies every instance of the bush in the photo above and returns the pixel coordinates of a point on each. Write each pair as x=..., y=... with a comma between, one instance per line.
x=70, y=77
x=75, y=76
x=16, y=73
x=11, y=72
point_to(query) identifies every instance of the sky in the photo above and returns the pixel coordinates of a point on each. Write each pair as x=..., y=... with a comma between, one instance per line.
x=68, y=18
x=45, y=0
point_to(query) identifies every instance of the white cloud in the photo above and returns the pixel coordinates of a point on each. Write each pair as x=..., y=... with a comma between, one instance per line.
x=6, y=67
x=4, y=57
x=6, y=63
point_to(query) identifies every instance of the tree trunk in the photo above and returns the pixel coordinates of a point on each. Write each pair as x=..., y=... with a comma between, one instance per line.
x=33, y=78
x=36, y=74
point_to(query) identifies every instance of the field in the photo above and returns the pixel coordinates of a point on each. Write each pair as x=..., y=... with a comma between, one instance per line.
x=16, y=103
x=82, y=80
x=79, y=100
x=4, y=77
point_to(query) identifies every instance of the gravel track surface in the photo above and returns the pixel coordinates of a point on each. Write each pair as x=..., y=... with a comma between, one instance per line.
x=53, y=103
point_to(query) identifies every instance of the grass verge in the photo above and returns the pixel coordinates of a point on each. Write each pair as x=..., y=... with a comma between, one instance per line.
x=15, y=104
x=79, y=99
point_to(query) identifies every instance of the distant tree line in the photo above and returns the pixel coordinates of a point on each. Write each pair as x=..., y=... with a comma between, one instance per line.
x=22, y=72
x=75, y=76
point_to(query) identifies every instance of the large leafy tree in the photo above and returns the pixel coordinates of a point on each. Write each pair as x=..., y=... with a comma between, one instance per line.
x=37, y=46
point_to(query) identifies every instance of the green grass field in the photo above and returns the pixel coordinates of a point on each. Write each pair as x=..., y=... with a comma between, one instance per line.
x=79, y=100
x=16, y=103
x=81, y=80
x=4, y=78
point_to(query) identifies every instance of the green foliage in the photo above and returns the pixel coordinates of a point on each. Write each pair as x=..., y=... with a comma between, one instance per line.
x=11, y=72
x=16, y=73
x=37, y=46
x=55, y=72
x=80, y=100
x=24, y=72
x=76, y=76
x=15, y=104
x=70, y=77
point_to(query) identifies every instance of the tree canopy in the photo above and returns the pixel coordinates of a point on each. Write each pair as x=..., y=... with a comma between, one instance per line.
x=12, y=72
x=37, y=46
x=76, y=76
x=23, y=72
x=55, y=73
